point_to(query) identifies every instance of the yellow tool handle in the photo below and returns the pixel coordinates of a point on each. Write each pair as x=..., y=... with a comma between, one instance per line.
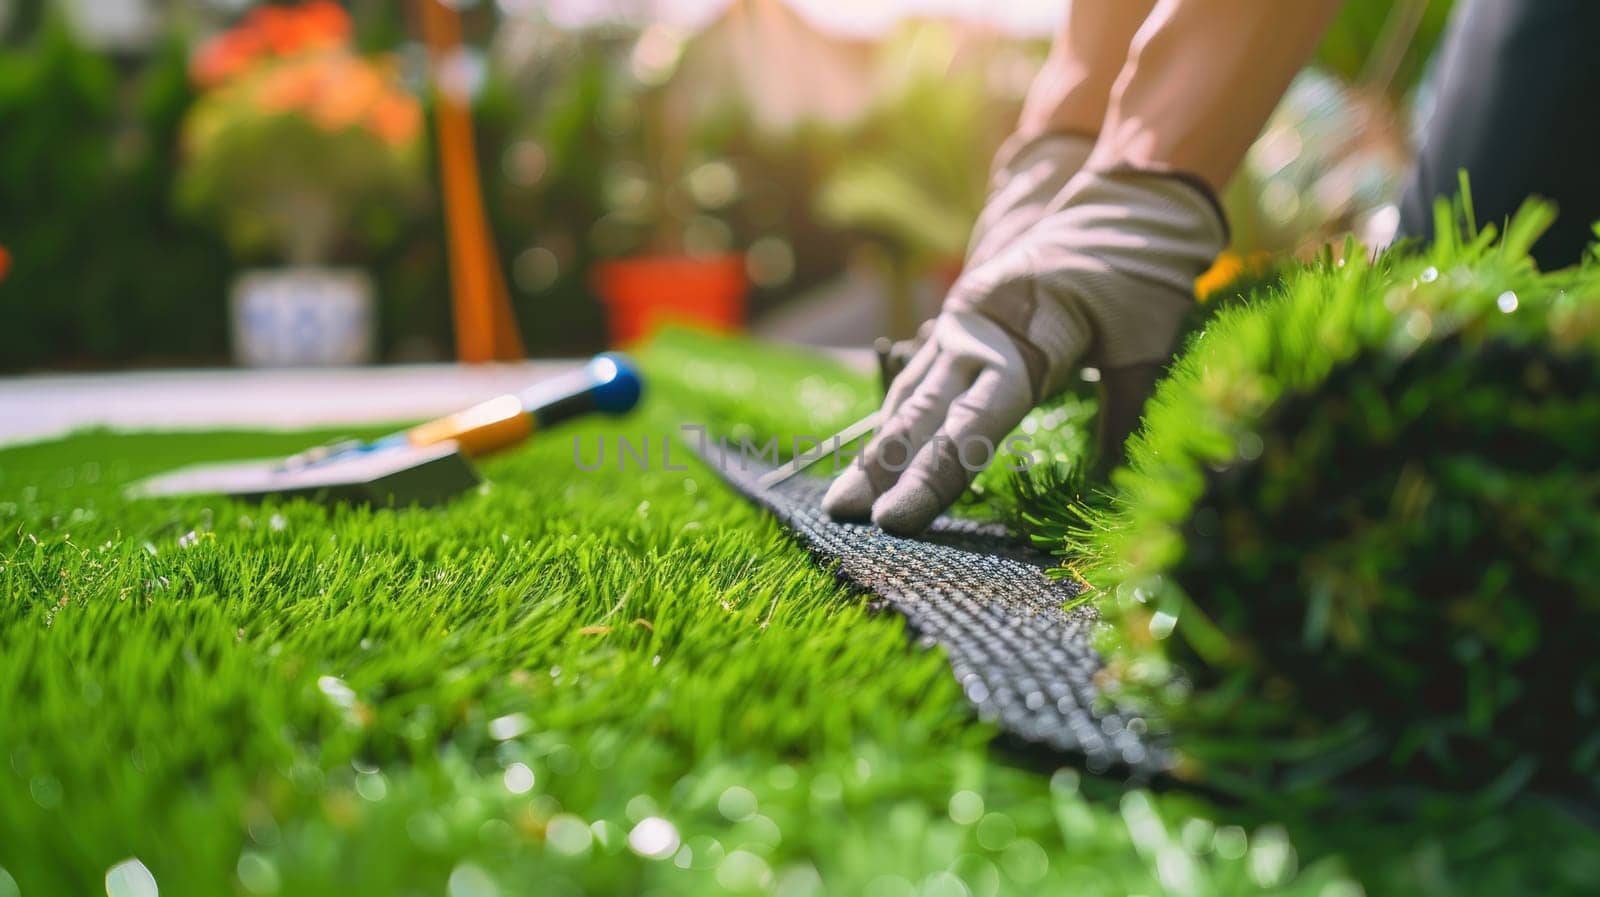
x=482, y=429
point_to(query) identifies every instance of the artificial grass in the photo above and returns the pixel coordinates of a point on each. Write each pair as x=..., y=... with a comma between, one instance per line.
x=492, y=697
x=1359, y=526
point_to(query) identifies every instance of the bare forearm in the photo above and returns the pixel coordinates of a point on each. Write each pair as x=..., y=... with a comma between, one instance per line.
x=1201, y=78
x=1073, y=88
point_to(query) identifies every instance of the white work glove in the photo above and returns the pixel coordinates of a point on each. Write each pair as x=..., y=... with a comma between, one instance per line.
x=1028, y=173
x=1109, y=268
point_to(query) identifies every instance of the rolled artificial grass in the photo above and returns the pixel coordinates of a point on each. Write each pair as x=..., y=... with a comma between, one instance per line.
x=1357, y=539
x=618, y=682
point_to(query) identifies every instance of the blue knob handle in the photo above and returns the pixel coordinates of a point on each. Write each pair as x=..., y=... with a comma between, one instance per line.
x=617, y=384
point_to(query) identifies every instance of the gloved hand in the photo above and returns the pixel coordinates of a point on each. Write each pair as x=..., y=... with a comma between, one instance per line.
x=1029, y=172
x=1107, y=270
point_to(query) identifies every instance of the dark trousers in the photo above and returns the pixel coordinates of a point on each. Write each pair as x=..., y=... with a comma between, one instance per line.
x=1518, y=108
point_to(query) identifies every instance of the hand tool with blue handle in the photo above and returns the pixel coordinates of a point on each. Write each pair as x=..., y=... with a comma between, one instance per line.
x=424, y=464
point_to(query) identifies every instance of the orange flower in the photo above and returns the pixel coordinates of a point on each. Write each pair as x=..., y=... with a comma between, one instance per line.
x=290, y=87
x=289, y=29
x=271, y=31
x=1227, y=270
x=5, y=263
x=396, y=118
x=349, y=90
x=278, y=27
x=225, y=56
x=325, y=24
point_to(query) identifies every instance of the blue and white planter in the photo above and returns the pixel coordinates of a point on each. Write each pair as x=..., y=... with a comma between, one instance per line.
x=303, y=317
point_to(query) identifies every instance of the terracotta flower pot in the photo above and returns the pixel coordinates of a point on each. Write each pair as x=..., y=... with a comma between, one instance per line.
x=645, y=292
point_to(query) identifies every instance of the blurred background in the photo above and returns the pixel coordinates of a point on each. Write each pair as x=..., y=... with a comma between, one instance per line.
x=209, y=182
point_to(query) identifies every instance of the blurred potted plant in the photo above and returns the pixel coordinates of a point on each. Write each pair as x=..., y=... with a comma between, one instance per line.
x=916, y=174
x=304, y=152
x=669, y=250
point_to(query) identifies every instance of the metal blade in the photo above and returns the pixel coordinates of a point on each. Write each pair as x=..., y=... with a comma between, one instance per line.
x=802, y=461
x=397, y=476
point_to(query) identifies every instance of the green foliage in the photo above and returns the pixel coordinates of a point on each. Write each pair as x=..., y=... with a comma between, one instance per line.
x=102, y=269
x=412, y=271
x=558, y=316
x=284, y=158
x=916, y=175
x=271, y=181
x=1359, y=527
x=1389, y=40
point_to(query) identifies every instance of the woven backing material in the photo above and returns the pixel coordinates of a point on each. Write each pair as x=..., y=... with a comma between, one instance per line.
x=1023, y=660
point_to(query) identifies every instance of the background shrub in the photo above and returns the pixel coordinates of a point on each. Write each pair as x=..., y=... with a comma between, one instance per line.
x=103, y=269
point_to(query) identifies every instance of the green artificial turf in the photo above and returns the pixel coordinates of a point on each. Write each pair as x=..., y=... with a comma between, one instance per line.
x=609, y=682
x=1361, y=519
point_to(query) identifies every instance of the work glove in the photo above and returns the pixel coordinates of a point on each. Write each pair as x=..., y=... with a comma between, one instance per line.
x=1028, y=172
x=1105, y=274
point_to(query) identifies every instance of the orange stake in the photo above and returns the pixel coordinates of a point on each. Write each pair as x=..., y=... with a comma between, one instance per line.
x=486, y=330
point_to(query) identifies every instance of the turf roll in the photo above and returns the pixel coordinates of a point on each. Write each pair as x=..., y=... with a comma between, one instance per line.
x=1357, y=538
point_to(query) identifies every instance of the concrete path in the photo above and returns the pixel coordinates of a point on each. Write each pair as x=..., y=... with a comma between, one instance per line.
x=38, y=407
x=43, y=406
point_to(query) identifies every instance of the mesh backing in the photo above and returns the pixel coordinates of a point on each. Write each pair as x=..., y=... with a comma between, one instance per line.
x=1023, y=660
